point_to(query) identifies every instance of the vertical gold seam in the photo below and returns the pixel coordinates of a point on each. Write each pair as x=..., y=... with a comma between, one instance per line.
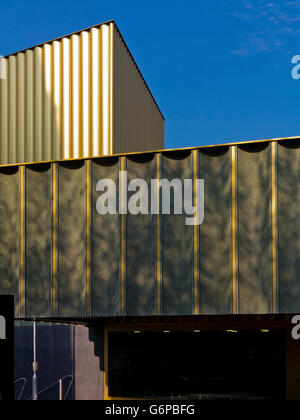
x=234, y=229
x=100, y=102
x=158, y=237
x=80, y=101
x=106, y=389
x=43, y=94
x=196, y=232
x=90, y=94
x=70, y=153
x=52, y=96
x=274, y=226
x=111, y=81
x=61, y=101
x=123, y=242
x=88, y=237
x=54, y=239
x=22, y=244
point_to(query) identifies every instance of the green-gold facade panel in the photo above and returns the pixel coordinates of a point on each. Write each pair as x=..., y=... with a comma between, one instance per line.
x=215, y=233
x=59, y=256
x=105, y=249
x=71, y=227
x=177, y=243
x=38, y=240
x=254, y=229
x=140, y=245
x=10, y=234
x=289, y=226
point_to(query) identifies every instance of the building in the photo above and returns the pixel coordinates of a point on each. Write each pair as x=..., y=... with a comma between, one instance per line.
x=78, y=96
x=152, y=307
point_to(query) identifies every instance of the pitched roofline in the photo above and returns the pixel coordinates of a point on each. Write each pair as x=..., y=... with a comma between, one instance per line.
x=88, y=29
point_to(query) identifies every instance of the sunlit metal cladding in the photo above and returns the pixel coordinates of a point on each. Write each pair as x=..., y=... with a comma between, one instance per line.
x=76, y=97
x=211, y=269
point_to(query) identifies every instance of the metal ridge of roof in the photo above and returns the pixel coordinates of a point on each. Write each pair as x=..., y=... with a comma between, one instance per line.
x=184, y=149
x=88, y=29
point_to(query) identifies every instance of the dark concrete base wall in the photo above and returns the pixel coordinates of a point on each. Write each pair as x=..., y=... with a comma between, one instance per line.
x=61, y=351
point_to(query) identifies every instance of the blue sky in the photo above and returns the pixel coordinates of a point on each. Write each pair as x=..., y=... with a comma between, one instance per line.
x=220, y=71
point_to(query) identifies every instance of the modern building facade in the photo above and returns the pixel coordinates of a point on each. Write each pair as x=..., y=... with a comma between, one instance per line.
x=153, y=307
x=78, y=96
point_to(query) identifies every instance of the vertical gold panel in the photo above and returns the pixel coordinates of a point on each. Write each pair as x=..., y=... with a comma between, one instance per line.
x=234, y=230
x=54, y=238
x=158, y=239
x=4, y=114
x=38, y=104
x=47, y=120
x=105, y=89
x=274, y=151
x=22, y=242
x=29, y=152
x=21, y=108
x=111, y=86
x=66, y=139
x=85, y=39
x=95, y=92
x=57, y=98
x=12, y=96
x=76, y=97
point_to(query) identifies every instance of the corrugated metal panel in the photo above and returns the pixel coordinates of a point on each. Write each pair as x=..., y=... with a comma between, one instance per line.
x=244, y=258
x=59, y=100
x=137, y=124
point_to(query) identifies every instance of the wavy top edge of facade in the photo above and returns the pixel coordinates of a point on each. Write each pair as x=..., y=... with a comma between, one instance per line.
x=166, y=151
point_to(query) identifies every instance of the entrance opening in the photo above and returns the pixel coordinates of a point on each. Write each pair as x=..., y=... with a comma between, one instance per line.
x=196, y=365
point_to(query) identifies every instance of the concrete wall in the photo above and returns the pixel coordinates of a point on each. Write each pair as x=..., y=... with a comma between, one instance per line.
x=61, y=351
x=89, y=363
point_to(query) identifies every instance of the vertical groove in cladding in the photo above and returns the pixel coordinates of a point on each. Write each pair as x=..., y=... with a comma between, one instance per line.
x=215, y=233
x=38, y=233
x=10, y=233
x=289, y=226
x=4, y=114
x=72, y=239
x=12, y=109
x=106, y=250
x=177, y=244
x=140, y=240
x=21, y=107
x=255, y=229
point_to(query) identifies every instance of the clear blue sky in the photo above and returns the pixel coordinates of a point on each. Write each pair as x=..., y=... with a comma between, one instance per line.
x=220, y=71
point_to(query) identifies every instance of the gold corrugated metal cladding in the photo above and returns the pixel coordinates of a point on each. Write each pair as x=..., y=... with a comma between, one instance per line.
x=76, y=97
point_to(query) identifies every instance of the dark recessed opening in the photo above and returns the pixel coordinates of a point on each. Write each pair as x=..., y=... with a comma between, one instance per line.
x=197, y=365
